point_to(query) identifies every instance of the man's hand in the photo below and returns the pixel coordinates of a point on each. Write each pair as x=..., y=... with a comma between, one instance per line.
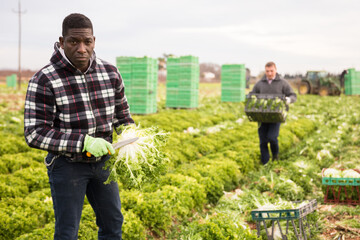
x=97, y=146
x=288, y=100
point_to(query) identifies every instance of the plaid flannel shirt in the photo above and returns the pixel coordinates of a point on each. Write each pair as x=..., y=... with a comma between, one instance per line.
x=63, y=105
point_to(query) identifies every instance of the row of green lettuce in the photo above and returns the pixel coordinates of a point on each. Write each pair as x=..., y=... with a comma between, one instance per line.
x=211, y=152
x=212, y=149
x=296, y=177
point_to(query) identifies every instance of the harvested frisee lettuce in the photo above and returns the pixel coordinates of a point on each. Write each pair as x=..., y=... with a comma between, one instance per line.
x=280, y=204
x=141, y=161
x=350, y=173
x=332, y=172
x=335, y=173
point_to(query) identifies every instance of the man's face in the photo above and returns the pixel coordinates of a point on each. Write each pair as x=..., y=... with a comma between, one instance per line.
x=270, y=72
x=78, y=45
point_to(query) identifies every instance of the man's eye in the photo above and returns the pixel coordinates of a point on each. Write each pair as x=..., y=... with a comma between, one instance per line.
x=73, y=42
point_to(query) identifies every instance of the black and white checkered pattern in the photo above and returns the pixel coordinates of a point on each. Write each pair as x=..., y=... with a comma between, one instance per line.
x=63, y=105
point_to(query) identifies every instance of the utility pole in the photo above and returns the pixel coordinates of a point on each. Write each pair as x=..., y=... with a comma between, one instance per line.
x=19, y=12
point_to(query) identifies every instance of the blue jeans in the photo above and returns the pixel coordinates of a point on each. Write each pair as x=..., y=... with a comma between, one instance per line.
x=69, y=183
x=268, y=133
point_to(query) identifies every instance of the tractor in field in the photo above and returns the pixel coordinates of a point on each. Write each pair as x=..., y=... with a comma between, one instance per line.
x=321, y=83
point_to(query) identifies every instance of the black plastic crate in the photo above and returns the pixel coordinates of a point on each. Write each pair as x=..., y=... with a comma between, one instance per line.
x=268, y=108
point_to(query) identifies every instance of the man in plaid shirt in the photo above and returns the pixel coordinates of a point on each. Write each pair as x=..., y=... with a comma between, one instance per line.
x=72, y=106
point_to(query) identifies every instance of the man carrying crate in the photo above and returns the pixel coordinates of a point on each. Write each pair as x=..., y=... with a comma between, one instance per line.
x=271, y=83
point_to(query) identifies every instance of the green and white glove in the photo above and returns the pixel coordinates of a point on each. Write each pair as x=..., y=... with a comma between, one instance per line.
x=97, y=146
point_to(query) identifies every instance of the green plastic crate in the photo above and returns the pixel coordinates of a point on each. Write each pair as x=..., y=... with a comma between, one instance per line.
x=181, y=103
x=172, y=61
x=11, y=80
x=124, y=68
x=140, y=80
x=232, y=67
x=188, y=85
x=229, y=85
x=142, y=75
x=182, y=93
x=233, y=94
x=232, y=98
x=233, y=76
x=142, y=68
x=271, y=113
x=126, y=76
x=352, y=81
x=123, y=60
x=272, y=218
x=287, y=214
x=189, y=59
x=172, y=78
x=182, y=82
x=174, y=84
x=188, y=93
x=142, y=109
x=143, y=60
x=141, y=91
x=340, y=181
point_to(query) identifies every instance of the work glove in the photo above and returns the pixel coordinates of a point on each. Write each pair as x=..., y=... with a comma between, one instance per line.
x=288, y=100
x=97, y=146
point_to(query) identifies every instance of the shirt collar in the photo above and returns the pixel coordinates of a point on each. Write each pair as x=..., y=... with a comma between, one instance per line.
x=64, y=55
x=270, y=80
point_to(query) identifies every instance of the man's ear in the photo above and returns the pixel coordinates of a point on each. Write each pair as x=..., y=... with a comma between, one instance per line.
x=61, y=41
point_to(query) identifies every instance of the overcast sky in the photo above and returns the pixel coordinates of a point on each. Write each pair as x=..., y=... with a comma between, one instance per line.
x=298, y=35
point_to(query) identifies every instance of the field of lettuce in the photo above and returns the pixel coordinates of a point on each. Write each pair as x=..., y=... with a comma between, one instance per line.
x=214, y=177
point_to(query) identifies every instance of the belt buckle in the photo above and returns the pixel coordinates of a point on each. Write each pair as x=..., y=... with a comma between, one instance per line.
x=97, y=159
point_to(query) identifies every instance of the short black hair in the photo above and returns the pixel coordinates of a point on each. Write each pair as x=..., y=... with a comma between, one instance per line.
x=76, y=20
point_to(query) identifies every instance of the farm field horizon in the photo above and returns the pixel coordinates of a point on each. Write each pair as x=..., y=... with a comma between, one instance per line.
x=214, y=177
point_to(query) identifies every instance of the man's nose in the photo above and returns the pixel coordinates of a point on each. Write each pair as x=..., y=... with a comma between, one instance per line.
x=81, y=48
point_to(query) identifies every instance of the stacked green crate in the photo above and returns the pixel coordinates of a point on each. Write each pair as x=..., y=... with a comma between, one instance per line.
x=140, y=79
x=352, y=82
x=356, y=87
x=143, y=88
x=182, y=82
x=124, y=66
x=11, y=80
x=233, y=82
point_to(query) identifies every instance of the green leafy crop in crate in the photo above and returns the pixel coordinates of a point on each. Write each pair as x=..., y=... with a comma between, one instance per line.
x=258, y=103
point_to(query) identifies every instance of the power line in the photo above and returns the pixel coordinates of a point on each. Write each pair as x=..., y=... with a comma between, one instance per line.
x=19, y=12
